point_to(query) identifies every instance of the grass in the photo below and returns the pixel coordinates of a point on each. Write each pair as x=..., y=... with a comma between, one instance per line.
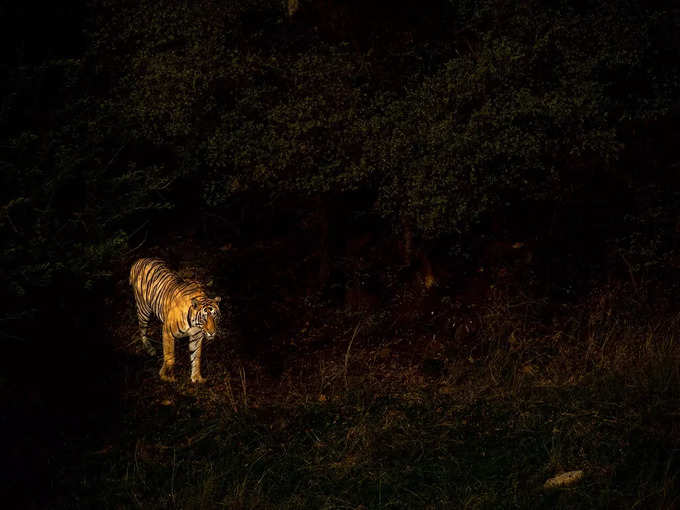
x=417, y=450
x=367, y=428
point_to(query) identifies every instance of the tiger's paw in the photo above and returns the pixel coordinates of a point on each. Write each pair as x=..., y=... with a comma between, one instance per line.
x=198, y=379
x=166, y=374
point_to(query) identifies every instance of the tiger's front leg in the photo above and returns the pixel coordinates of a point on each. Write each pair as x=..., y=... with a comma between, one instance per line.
x=166, y=371
x=195, y=347
x=143, y=316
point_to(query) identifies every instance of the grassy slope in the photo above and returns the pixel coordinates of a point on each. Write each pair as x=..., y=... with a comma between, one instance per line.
x=398, y=419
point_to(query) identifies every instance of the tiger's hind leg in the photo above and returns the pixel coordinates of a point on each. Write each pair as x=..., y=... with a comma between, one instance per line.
x=166, y=371
x=143, y=316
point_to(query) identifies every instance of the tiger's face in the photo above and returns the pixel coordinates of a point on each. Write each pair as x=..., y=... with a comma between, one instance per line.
x=205, y=314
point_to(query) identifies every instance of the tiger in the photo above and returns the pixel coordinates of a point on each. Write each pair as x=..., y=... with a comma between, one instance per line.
x=181, y=305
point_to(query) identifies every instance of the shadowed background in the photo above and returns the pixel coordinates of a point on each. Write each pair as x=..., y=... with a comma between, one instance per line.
x=456, y=180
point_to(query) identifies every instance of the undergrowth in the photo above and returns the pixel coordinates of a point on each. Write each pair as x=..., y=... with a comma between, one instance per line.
x=365, y=425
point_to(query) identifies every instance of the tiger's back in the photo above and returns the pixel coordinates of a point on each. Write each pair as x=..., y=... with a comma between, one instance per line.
x=157, y=289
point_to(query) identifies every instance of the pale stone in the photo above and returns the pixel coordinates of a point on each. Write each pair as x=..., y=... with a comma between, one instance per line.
x=563, y=479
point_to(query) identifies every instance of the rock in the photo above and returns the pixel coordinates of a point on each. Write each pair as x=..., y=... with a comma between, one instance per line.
x=563, y=480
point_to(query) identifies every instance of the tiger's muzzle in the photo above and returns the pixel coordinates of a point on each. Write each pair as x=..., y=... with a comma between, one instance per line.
x=210, y=327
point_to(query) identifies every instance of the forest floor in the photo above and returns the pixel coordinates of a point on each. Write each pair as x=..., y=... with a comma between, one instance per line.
x=393, y=406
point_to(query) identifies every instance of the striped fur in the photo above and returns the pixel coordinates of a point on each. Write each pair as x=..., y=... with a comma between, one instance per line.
x=181, y=305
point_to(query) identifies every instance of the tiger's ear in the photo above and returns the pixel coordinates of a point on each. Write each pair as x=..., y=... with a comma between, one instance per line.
x=194, y=302
x=217, y=299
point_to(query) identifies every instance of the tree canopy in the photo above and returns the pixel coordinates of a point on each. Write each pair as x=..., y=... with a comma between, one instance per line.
x=451, y=124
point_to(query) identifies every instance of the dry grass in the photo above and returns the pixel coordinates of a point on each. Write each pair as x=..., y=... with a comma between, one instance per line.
x=365, y=425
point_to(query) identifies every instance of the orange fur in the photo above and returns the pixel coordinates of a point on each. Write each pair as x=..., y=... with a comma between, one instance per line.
x=181, y=305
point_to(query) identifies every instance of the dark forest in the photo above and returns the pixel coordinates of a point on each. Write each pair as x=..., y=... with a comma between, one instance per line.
x=446, y=235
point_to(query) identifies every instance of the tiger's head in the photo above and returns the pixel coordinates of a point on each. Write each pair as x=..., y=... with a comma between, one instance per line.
x=204, y=314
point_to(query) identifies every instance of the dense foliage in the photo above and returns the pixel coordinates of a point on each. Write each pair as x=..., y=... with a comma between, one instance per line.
x=450, y=124
x=491, y=117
